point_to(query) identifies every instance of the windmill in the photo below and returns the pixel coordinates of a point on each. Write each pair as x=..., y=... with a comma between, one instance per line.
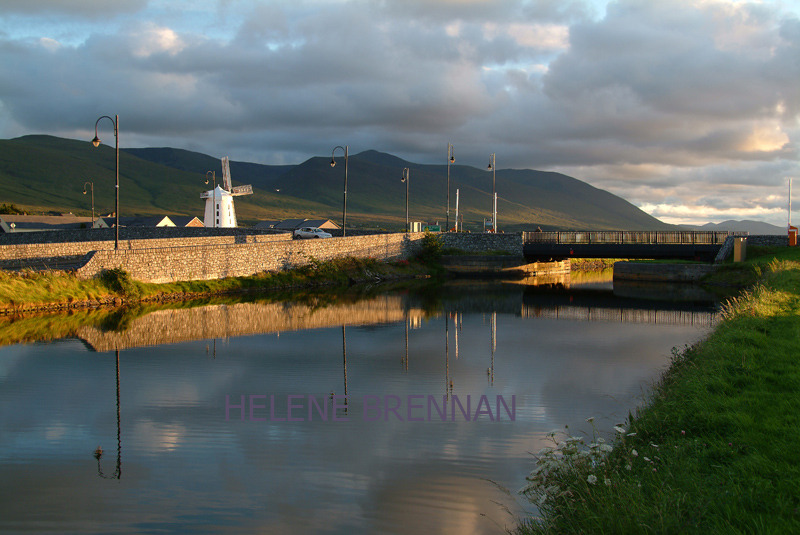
x=219, y=201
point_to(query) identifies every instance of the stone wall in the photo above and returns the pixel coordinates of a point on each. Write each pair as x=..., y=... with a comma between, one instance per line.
x=204, y=262
x=767, y=240
x=482, y=242
x=47, y=249
x=125, y=233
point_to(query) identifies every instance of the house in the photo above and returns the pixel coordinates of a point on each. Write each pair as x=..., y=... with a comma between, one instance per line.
x=37, y=223
x=186, y=221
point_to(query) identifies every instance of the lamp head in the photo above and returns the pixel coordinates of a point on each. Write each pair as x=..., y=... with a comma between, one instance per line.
x=452, y=159
x=96, y=141
x=333, y=162
x=84, y=190
x=490, y=167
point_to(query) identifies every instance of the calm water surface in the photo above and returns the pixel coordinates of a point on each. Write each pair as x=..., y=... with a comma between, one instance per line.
x=150, y=389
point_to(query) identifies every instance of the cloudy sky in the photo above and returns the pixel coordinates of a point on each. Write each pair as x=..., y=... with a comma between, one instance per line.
x=690, y=109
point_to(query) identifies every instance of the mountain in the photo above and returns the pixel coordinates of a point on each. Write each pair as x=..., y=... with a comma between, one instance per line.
x=747, y=225
x=44, y=173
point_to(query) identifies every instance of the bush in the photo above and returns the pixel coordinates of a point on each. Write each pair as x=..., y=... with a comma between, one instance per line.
x=119, y=281
x=431, y=249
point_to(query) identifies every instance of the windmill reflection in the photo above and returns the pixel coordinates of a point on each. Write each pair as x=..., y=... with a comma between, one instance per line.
x=344, y=366
x=98, y=453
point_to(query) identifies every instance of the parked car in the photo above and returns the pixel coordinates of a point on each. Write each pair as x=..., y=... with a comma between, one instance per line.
x=310, y=232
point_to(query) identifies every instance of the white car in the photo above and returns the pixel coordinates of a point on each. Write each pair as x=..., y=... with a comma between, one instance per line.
x=310, y=232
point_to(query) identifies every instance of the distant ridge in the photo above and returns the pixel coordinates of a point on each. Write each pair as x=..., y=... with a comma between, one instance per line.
x=43, y=173
x=747, y=225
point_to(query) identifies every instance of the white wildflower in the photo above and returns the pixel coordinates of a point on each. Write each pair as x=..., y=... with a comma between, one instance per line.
x=620, y=430
x=607, y=482
x=590, y=419
x=605, y=448
x=592, y=479
x=634, y=453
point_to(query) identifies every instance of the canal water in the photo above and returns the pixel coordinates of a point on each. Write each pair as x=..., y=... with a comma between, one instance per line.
x=231, y=416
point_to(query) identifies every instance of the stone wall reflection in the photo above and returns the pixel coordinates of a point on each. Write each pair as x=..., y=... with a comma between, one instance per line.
x=242, y=319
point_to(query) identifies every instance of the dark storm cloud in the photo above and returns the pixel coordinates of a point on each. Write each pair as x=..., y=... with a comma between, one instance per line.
x=645, y=91
x=92, y=9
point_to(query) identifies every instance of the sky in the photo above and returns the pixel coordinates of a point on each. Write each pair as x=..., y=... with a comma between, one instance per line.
x=689, y=109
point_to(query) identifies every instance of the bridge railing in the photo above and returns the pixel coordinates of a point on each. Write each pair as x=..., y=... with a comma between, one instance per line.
x=630, y=237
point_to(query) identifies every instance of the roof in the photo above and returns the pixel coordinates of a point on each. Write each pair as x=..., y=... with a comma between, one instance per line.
x=147, y=221
x=186, y=221
x=292, y=224
x=33, y=223
x=266, y=224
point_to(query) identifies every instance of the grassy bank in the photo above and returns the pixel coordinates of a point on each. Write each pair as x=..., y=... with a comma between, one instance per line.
x=713, y=450
x=41, y=290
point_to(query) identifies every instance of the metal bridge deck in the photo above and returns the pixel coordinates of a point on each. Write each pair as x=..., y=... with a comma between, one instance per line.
x=702, y=245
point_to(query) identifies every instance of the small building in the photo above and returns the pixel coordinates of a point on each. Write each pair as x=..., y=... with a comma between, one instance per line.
x=186, y=221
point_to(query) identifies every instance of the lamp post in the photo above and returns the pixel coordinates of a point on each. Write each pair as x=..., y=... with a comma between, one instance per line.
x=451, y=158
x=91, y=186
x=407, y=179
x=344, y=204
x=214, y=193
x=96, y=143
x=492, y=167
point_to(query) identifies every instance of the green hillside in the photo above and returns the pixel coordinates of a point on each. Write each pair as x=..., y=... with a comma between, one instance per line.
x=45, y=173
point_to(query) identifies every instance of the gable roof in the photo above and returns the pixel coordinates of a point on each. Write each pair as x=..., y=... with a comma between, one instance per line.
x=186, y=221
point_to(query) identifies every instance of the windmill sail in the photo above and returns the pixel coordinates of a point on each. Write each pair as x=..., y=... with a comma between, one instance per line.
x=242, y=190
x=226, y=174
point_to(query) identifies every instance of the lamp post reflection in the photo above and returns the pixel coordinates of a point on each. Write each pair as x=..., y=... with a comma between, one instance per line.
x=493, y=323
x=406, y=358
x=344, y=365
x=98, y=453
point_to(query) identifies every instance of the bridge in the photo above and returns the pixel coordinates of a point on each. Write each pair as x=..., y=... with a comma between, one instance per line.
x=689, y=245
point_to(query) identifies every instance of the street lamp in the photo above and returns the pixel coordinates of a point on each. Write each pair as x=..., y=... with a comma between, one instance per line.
x=91, y=186
x=493, y=168
x=96, y=143
x=451, y=158
x=333, y=164
x=407, y=179
x=214, y=193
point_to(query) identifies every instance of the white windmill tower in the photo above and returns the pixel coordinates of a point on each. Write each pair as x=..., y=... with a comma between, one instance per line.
x=219, y=201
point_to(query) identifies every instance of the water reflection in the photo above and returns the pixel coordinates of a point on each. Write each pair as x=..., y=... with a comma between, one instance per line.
x=98, y=453
x=190, y=469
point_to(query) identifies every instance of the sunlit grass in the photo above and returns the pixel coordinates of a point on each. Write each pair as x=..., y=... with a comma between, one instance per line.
x=41, y=288
x=714, y=449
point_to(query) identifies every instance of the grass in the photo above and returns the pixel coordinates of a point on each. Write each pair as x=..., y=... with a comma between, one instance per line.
x=714, y=449
x=30, y=289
